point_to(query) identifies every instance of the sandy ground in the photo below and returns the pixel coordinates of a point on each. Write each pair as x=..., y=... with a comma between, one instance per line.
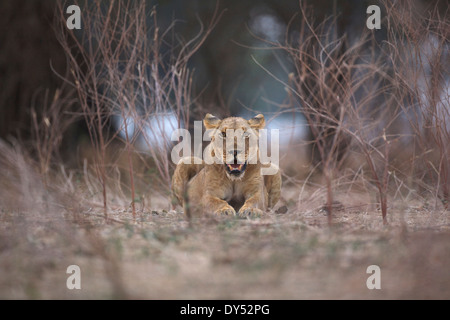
x=290, y=255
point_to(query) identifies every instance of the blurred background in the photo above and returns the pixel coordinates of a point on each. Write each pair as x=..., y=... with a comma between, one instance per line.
x=239, y=68
x=227, y=78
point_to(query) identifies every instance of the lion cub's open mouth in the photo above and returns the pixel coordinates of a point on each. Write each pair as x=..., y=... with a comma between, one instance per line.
x=235, y=168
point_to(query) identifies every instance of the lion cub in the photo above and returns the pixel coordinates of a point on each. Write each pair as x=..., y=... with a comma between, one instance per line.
x=232, y=182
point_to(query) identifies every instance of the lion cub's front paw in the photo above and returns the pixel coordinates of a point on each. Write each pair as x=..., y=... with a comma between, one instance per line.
x=250, y=212
x=226, y=211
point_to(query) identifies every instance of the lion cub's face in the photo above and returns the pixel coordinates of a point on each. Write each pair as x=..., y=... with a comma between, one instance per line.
x=234, y=142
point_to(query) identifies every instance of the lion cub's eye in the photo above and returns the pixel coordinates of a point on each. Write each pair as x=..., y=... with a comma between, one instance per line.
x=222, y=134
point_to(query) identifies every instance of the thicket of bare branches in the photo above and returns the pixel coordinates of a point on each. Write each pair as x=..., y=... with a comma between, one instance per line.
x=385, y=101
x=419, y=52
x=126, y=69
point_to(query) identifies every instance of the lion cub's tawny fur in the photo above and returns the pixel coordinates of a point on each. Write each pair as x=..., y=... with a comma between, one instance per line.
x=223, y=189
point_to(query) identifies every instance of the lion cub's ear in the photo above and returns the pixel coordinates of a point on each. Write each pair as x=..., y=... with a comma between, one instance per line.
x=258, y=122
x=211, y=121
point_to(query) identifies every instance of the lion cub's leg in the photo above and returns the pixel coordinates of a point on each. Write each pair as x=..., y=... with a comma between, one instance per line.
x=251, y=207
x=217, y=187
x=255, y=199
x=218, y=206
x=261, y=194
